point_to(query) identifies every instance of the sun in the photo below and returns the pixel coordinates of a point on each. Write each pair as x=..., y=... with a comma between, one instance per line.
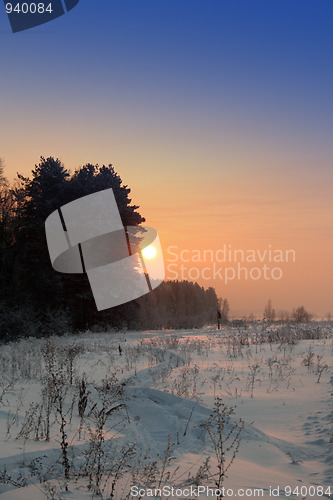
x=149, y=252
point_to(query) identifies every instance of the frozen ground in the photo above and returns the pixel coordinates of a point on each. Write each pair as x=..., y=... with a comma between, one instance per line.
x=115, y=410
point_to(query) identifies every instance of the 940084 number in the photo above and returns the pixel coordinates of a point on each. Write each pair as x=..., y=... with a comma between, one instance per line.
x=28, y=8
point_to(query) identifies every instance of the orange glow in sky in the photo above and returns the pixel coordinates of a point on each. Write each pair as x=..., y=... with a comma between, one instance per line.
x=219, y=118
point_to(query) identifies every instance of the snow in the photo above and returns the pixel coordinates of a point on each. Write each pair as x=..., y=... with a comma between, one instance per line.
x=161, y=389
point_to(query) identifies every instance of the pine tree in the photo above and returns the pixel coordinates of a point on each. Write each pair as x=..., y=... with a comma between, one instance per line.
x=6, y=233
x=93, y=178
x=33, y=280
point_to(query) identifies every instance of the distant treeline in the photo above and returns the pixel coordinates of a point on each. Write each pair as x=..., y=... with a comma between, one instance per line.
x=36, y=300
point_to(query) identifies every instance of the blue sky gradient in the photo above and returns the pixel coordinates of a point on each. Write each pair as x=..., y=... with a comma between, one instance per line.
x=227, y=104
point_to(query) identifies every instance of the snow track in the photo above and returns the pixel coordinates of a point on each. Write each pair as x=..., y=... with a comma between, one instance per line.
x=169, y=383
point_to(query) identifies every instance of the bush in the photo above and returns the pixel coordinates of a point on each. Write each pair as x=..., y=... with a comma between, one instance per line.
x=23, y=321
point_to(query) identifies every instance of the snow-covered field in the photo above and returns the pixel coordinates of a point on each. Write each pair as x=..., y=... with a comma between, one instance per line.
x=118, y=415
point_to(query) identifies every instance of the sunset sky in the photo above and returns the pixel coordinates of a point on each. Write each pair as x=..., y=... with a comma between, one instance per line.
x=217, y=113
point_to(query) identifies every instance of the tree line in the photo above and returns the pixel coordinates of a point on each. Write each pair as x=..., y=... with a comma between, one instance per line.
x=36, y=300
x=299, y=314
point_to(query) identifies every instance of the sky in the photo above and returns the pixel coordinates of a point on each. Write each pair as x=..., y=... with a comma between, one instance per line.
x=218, y=114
